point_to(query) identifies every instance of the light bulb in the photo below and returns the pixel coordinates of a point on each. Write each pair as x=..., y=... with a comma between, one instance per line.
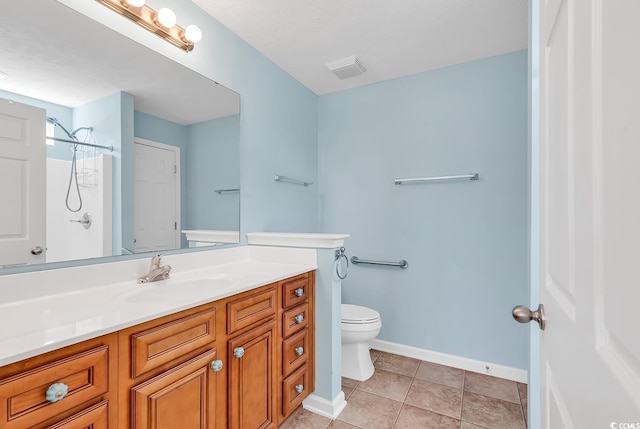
x=192, y=33
x=135, y=3
x=166, y=17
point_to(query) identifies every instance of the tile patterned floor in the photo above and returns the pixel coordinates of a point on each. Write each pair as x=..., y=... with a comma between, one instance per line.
x=406, y=393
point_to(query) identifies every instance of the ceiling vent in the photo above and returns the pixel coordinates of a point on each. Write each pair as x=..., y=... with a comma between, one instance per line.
x=346, y=67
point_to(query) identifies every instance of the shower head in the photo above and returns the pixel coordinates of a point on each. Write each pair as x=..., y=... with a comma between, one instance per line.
x=54, y=121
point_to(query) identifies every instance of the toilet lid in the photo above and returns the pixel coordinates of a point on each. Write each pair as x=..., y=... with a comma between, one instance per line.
x=358, y=314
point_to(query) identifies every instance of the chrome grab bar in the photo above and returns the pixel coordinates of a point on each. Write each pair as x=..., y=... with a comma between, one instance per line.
x=224, y=191
x=472, y=176
x=280, y=178
x=402, y=263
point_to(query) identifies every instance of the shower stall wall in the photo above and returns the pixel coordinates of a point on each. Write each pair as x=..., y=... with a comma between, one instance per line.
x=67, y=236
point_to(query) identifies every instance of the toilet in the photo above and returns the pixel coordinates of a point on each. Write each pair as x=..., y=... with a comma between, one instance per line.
x=359, y=326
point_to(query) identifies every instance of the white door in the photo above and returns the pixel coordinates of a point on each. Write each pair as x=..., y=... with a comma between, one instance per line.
x=590, y=213
x=22, y=184
x=157, y=202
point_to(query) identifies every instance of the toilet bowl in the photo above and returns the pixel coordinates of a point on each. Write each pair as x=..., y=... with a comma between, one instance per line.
x=359, y=326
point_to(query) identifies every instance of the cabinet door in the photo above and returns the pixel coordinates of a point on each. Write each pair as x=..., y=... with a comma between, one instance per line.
x=183, y=397
x=252, y=370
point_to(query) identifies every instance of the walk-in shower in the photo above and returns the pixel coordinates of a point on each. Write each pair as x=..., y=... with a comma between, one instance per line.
x=78, y=193
x=75, y=141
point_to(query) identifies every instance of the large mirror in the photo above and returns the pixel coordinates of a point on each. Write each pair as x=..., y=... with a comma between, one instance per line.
x=172, y=178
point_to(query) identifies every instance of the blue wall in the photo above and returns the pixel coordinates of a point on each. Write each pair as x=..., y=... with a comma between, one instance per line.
x=465, y=241
x=214, y=163
x=278, y=116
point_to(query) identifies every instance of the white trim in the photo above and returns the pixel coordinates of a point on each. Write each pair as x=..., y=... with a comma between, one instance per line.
x=324, y=407
x=507, y=372
x=318, y=241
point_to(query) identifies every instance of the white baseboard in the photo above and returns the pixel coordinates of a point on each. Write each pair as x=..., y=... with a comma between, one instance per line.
x=324, y=407
x=510, y=373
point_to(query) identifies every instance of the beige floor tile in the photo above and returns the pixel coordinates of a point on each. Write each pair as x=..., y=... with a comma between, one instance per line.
x=491, y=412
x=337, y=424
x=524, y=400
x=435, y=397
x=441, y=374
x=412, y=418
x=491, y=386
x=303, y=419
x=369, y=411
x=374, y=354
x=398, y=364
x=350, y=382
x=467, y=425
x=388, y=384
x=347, y=391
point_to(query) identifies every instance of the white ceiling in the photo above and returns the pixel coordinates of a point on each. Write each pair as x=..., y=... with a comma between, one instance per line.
x=390, y=38
x=61, y=56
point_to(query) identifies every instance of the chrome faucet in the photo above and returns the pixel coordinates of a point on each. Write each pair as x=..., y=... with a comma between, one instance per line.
x=156, y=271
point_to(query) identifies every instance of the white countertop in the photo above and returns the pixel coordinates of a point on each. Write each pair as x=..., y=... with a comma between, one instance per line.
x=47, y=310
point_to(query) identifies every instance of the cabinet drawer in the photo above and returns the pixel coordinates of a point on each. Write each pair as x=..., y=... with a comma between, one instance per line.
x=162, y=344
x=251, y=309
x=295, y=291
x=294, y=390
x=95, y=417
x=24, y=402
x=295, y=351
x=295, y=319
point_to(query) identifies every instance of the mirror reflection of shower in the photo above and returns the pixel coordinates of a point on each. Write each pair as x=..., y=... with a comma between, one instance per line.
x=79, y=179
x=73, y=174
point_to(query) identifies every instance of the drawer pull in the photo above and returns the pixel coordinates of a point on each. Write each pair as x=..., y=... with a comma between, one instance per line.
x=56, y=392
x=299, y=351
x=216, y=365
x=299, y=388
x=299, y=318
x=299, y=292
x=238, y=352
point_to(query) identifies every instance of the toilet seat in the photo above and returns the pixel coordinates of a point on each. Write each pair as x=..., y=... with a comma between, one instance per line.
x=356, y=314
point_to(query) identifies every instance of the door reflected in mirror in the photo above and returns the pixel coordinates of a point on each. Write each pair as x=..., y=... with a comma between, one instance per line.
x=174, y=168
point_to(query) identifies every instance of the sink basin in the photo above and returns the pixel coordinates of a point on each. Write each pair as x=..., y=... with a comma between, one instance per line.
x=177, y=290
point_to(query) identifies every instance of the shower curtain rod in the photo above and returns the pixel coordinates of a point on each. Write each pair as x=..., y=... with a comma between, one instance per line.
x=109, y=148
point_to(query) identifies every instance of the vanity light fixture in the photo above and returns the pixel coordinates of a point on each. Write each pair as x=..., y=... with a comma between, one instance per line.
x=161, y=23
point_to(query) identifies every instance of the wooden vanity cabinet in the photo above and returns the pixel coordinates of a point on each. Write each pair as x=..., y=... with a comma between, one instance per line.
x=296, y=376
x=242, y=362
x=252, y=329
x=166, y=378
x=81, y=380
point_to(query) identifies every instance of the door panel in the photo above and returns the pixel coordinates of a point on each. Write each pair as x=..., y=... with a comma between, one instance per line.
x=183, y=397
x=156, y=203
x=589, y=211
x=22, y=183
x=252, y=379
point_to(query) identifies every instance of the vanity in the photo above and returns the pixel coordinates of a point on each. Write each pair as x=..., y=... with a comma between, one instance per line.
x=226, y=342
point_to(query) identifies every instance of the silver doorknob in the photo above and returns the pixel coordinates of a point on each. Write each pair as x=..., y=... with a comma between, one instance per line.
x=523, y=315
x=36, y=250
